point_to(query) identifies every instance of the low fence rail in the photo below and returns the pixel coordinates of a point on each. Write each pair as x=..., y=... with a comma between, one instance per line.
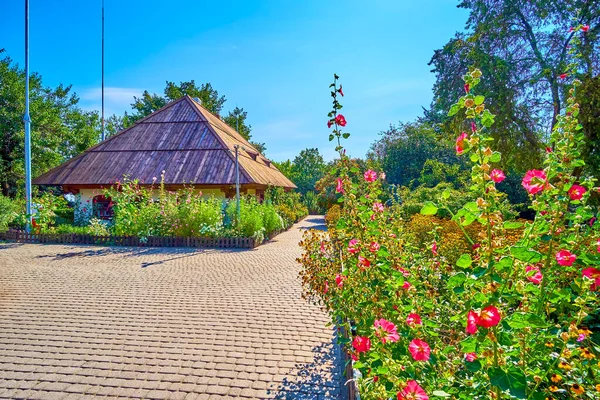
x=19, y=236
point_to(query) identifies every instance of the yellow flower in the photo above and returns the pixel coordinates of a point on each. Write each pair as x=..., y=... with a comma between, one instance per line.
x=469, y=103
x=587, y=354
x=479, y=108
x=564, y=365
x=549, y=344
x=598, y=388
x=556, y=378
x=554, y=388
x=577, y=389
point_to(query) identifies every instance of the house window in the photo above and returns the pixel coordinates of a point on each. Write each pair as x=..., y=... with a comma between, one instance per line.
x=102, y=207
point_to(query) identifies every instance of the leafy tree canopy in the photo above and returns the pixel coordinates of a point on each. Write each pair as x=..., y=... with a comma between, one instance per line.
x=305, y=170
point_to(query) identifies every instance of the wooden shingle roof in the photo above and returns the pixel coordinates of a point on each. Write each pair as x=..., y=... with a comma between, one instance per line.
x=184, y=139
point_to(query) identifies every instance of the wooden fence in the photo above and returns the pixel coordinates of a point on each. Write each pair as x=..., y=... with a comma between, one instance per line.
x=19, y=236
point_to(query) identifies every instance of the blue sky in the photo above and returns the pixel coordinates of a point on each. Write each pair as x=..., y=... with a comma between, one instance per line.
x=273, y=58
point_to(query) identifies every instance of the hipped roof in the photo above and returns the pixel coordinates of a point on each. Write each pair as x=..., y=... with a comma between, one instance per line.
x=184, y=139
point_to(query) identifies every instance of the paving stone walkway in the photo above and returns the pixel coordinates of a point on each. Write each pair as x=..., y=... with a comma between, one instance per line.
x=79, y=322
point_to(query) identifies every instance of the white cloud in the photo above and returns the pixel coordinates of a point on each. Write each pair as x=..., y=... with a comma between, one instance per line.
x=116, y=100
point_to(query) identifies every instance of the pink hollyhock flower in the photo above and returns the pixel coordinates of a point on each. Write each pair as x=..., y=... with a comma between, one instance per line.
x=467, y=88
x=329, y=124
x=352, y=246
x=592, y=273
x=374, y=247
x=473, y=127
x=339, y=280
x=488, y=317
x=576, y=192
x=386, y=331
x=370, y=175
x=533, y=274
x=581, y=337
x=548, y=150
x=565, y=258
x=585, y=28
x=406, y=285
x=472, y=322
x=413, y=319
x=363, y=262
x=419, y=350
x=404, y=272
x=475, y=246
x=372, y=218
x=598, y=246
x=563, y=76
x=339, y=186
x=378, y=207
x=326, y=288
x=340, y=91
x=470, y=357
x=412, y=391
x=461, y=143
x=534, y=181
x=322, y=247
x=340, y=120
x=571, y=29
x=497, y=175
x=434, y=249
x=361, y=344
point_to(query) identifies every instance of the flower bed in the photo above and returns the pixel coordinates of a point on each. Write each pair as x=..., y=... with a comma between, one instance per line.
x=515, y=315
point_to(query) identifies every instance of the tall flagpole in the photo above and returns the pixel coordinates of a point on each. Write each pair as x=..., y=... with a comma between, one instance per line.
x=103, y=134
x=27, y=120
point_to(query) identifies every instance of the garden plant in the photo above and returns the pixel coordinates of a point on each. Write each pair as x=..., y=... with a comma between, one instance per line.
x=515, y=315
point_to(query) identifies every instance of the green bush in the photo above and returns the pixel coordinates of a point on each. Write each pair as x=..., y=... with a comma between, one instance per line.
x=9, y=211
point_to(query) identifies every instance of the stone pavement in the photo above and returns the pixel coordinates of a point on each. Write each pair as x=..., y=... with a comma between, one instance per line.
x=78, y=322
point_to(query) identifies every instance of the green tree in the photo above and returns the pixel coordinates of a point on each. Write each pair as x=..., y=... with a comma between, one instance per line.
x=521, y=48
x=59, y=128
x=308, y=168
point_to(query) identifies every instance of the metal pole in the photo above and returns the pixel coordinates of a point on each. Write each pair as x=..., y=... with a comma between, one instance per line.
x=103, y=134
x=27, y=120
x=237, y=179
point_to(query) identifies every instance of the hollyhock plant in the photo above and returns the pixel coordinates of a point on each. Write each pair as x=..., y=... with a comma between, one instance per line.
x=352, y=246
x=461, y=143
x=378, y=207
x=374, y=247
x=585, y=28
x=339, y=280
x=489, y=317
x=329, y=123
x=386, y=331
x=497, y=175
x=340, y=91
x=472, y=322
x=412, y=391
x=534, y=181
x=339, y=187
x=363, y=262
x=413, y=319
x=565, y=258
x=470, y=357
x=533, y=274
x=340, y=120
x=563, y=76
x=576, y=192
x=419, y=350
x=594, y=274
x=361, y=344
x=434, y=249
x=370, y=176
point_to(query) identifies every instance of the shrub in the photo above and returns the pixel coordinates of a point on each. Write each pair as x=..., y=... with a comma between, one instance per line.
x=9, y=211
x=333, y=215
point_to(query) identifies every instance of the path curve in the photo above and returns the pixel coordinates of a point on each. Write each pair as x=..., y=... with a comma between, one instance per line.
x=80, y=321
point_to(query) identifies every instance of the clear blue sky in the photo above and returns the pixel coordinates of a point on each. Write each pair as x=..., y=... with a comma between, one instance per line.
x=273, y=58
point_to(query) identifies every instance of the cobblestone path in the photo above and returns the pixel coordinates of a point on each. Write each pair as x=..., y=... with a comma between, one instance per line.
x=79, y=322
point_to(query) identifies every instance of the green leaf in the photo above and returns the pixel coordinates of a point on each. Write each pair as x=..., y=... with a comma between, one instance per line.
x=526, y=255
x=524, y=320
x=469, y=345
x=504, y=263
x=473, y=366
x=331, y=137
x=429, y=208
x=446, y=194
x=346, y=135
x=471, y=207
x=469, y=219
x=513, y=380
x=464, y=261
x=440, y=393
x=454, y=109
x=512, y=225
x=496, y=157
x=456, y=280
x=479, y=100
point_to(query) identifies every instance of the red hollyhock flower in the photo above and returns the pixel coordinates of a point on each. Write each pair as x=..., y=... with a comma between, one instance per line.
x=585, y=28
x=461, y=143
x=472, y=322
x=592, y=273
x=576, y=192
x=340, y=120
x=339, y=186
x=352, y=246
x=374, y=247
x=370, y=175
x=565, y=258
x=563, y=76
x=497, y=175
x=434, y=249
x=467, y=88
x=571, y=29
x=363, y=262
x=406, y=285
x=533, y=274
x=340, y=91
x=488, y=317
x=339, y=280
x=412, y=391
x=548, y=150
x=329, y=124
x=413, y=319
x=598, y=246
x=470, y=357
x=473, y=127
x=534, y=181
x=386, y=331
x=326, y=288
x=361, y=344
x=419, y=350
x=378, y=207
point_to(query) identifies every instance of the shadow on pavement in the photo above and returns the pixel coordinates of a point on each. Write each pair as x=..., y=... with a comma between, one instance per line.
x=321, y=379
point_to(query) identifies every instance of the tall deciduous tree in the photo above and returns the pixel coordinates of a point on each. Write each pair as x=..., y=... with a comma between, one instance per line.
x=59, y=128
x=521, y=47
x=305, y=170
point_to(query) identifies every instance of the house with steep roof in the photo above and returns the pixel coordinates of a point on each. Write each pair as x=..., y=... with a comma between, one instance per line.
x=193, y=147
